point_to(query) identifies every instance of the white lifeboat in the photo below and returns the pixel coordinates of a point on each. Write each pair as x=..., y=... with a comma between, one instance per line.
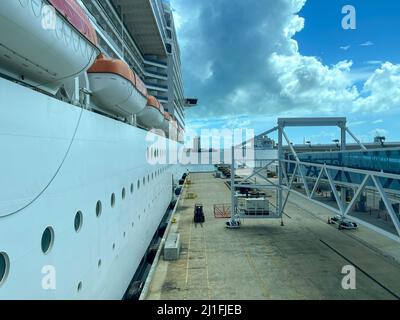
x=44, y=43
x=153, y=115
x=116, y=88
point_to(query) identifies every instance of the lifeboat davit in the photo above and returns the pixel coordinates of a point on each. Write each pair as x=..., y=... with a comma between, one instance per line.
x=116, y=88
x=45, y=43
x=181, y=134
x=173, y=129
x=153, y=115
x=166, y=122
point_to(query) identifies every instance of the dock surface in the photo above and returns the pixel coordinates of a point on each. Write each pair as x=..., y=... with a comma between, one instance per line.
x=263, y=260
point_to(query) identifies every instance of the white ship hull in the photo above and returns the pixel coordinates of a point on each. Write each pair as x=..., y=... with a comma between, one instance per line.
x=46, y=180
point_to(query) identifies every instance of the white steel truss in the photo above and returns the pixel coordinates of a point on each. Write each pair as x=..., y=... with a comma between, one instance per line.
x=286, y=180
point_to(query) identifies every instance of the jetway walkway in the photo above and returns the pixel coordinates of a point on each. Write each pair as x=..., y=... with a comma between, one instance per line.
x=346, y=175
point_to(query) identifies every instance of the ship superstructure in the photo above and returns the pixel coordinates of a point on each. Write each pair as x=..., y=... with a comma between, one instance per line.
x=85, y=87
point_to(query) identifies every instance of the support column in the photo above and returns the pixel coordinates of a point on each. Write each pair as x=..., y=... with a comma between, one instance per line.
x=342, y=148
x=233, y=207
x=280, y=173
x=77, y=92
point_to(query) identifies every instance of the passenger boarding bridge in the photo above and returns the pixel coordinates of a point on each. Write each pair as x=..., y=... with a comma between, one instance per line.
x=362, y=185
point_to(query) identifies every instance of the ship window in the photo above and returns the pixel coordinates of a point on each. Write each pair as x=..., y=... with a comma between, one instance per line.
x=112, y=200
x=113, y=246
x=123, y=193
x=78, y=221
x=79, y=286
x=133, y=224
x=131, y=187
x=47, y=240
x=138, y=184
x=99, y=263
x=144, y=181
x=124, y=234
x=98, y=209
x=148, y=178
x=4, y=267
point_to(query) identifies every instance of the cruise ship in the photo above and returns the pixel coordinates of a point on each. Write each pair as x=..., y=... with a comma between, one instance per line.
x=91, y=117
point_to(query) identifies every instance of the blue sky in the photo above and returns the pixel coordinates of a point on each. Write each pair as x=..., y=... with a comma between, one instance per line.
x=250, y=62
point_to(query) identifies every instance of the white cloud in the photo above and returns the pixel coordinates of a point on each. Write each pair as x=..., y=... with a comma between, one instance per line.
x=373, y=62
x=377, y=121
x=379, y=132
x=356, y=123
x=345, y=48
x=305, y=81
x=381, y=91
x=259, y=69
x=367, y=44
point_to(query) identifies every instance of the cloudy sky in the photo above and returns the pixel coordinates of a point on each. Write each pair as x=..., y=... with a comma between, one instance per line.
x=251, y=61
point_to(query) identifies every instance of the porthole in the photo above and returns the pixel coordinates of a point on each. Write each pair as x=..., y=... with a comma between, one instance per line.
x=79, y=286
x=4, y=267
x=113, y=246
x=138, y=184
x=47, y=240
x=99, y=263
x=112, y=200
x=124, y=234
x=131, y=188
x=98, y=209
x=123, y=193
x=78, y=221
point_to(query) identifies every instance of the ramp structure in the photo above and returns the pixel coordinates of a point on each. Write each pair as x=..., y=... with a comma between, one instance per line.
x=356, y=184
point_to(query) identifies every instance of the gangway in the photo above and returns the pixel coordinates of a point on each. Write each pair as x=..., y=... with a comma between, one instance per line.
x=347, y=175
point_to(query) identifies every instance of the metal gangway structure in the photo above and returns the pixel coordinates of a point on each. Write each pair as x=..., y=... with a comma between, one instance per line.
x=347, y=175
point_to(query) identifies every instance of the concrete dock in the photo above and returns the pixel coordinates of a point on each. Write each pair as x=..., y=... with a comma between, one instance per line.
x=262, y=260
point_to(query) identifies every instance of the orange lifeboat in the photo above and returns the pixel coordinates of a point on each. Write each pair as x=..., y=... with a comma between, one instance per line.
x=45, y=45
x=152, y=115
x=116, y=88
